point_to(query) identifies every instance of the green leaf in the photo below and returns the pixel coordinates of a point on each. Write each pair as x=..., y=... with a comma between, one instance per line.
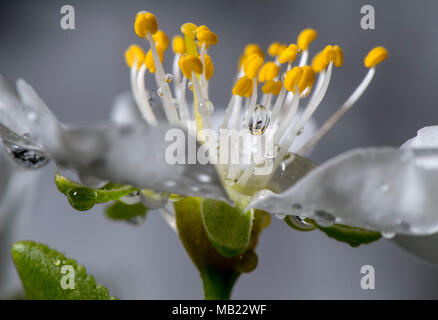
x=44, y=272
x=351, y=235
x=218, y=273
x=122, y=211
x=227, y=227
x=81, y=197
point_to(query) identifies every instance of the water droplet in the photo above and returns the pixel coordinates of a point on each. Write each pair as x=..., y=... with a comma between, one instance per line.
x=131, y=198
x=247, y=262
x=190, y=85
x=160, y=91
x=388, y=235
x=299, y=51
x=300, y=131
x=91, y=181
x=229, y=182
x=324, y=219
x=206, y=106
x=301, y=223
x=57, y=262
x=259, y=121
x=25, y=157
x=82, y=198
x=153, y=200
x=280, y=216
x=168, y=78
x=271, y=154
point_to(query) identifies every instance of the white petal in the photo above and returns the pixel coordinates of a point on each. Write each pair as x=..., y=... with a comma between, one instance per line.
x=135, y=155
x=25, y=113
x=377, y=188
x=424, y=247
x=427, y=137
x=125, y=110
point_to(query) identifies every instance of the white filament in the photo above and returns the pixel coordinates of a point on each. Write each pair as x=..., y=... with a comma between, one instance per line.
x=340, y=112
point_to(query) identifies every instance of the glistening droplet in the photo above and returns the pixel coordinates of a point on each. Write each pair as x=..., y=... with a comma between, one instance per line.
x=271, y=154
x=132, y=198
x=81, y=198
x=25, y=157
x=259, y=120
x=160, y=91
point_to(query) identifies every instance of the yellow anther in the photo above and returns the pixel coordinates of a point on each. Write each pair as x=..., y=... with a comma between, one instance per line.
x=253, y=48
x=243, y=87
x=145, y=22
x=269, y=71
x=209, y=67
x=339, y=58
x=289, y=54
x=328, y=54
x=276, y=48
x=205, y=36
x=149, y=59
x=307, y=78
x=188, y=64
x=375, y=56
x=305, y=38
x=252, y=65
x=318, y=63
x=272, y=87
x=134, y=54
x=178, y=45
x=292, y=78
x=161, y=40
x=188, y=29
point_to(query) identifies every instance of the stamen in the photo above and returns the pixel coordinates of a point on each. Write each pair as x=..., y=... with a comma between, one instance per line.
x=374, y=57
x=304, y=39
x=144, y=106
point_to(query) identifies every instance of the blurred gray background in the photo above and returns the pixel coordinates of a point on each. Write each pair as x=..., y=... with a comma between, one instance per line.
x=79, y=72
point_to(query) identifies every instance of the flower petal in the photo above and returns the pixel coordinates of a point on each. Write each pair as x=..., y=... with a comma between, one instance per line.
x=380, y=189
x=125, y=110
x=424, y=247
x=427, y=137
x=136, y=155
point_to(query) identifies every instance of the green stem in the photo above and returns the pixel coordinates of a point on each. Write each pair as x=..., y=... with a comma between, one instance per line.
x=218, y=283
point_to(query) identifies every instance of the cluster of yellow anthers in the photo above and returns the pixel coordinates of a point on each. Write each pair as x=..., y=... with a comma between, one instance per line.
x=193, y=67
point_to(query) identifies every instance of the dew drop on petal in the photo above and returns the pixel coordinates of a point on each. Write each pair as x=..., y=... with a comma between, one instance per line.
x=132, y=198
x=25, y=157
x=56, y=262
x=259, y=121
x=206, y=106
x=153, y=200
x=324, y=219
x=301, y=223
x=168, y=78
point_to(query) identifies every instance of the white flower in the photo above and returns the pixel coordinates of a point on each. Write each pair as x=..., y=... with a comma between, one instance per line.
x=365, y=188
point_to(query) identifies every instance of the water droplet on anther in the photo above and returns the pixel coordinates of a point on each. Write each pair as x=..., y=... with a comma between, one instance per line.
x=259, y=121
